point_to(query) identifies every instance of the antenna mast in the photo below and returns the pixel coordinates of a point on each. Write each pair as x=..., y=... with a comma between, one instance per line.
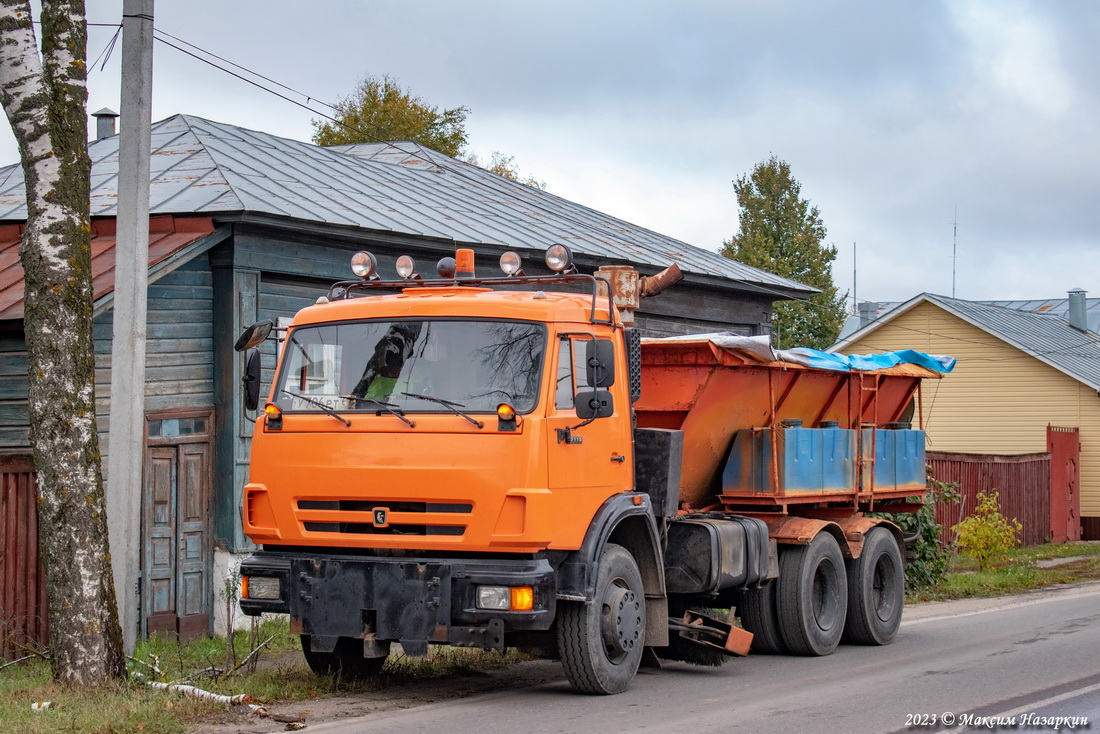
x=954, y=247
x=855, y=281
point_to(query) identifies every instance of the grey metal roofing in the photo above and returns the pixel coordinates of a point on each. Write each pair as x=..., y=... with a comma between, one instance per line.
x=205, y=167
x=1046, y=336
x=1056, y=306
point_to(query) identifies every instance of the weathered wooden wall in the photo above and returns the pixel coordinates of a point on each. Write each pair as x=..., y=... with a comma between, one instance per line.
x=179, y=352
x=14, y=424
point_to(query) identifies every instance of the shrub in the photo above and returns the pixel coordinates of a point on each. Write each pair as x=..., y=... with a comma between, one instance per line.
x=986, y=535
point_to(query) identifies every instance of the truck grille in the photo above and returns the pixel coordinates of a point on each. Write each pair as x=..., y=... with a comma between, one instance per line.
x=358, y=517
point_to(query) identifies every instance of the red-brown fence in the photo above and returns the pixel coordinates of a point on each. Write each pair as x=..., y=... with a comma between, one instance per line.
x=1022, y=483
x=22, y=584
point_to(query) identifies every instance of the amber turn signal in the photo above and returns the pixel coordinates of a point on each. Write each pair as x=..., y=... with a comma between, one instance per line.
x=523, y=598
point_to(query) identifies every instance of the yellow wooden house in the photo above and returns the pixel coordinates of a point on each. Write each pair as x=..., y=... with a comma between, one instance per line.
x=1018, y=371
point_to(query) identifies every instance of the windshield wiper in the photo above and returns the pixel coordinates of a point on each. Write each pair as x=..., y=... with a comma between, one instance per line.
x=320, y=405
x=453, y=407
x=388, y=407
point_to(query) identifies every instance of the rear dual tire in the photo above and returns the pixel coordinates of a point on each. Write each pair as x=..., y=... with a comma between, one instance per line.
x=812, y=596
x=876, y=590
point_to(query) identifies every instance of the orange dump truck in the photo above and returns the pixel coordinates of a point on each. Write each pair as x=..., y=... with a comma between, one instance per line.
x=501, y=462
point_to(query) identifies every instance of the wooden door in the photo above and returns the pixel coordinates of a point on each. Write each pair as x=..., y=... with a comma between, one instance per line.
x=1065, y=499
x=177, y=553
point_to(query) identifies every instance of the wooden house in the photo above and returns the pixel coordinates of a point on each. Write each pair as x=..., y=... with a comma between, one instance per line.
x=248, y=226
x=1019, y=371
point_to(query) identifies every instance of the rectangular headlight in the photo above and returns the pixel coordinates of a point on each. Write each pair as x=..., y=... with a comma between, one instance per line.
x=262, y=587
x=494, y=597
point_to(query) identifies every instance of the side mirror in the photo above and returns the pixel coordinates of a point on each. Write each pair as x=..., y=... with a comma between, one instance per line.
x=599, y=358
x=253, y=335
x=250, y=380
x=591, y=404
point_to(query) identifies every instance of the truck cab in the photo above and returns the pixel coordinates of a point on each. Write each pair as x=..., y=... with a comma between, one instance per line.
x=440, y=464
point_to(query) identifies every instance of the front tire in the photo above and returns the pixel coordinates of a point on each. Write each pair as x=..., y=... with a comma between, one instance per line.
x=813, y=596
x=876, y=590
x=345, y=661
x=601, y=643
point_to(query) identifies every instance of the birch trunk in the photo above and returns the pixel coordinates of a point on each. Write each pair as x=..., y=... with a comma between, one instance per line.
x=44, y=99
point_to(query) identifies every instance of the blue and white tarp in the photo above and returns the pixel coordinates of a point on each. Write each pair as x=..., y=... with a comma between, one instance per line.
x=761, y=348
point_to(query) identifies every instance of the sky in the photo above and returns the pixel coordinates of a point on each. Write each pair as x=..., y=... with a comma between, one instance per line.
x=918, y=128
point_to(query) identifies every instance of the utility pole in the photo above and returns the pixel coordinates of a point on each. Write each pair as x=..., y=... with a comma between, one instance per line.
x=126, y=441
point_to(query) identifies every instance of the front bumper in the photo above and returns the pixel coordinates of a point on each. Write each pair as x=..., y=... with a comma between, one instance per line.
x=406, y=600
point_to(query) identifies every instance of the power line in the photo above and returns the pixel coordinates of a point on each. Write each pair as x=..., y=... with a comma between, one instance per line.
x=245, y=69
x=451, y=165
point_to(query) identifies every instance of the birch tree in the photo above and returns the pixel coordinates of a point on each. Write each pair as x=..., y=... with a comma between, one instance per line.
x=44, y=98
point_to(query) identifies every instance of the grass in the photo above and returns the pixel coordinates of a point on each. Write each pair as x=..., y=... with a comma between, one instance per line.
x=280, y=675
x=1016, y=573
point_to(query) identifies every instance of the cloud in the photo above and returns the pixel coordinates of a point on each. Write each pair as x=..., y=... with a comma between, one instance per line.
x=1018, y=51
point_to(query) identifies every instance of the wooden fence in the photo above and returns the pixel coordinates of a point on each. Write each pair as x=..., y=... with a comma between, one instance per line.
x=1022, y=483
x=22, y=584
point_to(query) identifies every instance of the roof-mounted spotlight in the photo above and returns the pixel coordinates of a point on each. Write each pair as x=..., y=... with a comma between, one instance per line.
x=445, y=268
x=511, y=264
x=559, y=258
x=364, y=265
x=406, y=268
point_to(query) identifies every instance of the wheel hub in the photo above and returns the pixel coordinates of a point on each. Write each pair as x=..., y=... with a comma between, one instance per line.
x=621, y=622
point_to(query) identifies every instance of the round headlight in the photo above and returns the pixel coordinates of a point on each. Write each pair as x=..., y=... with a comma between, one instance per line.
x=510, y=263
x=559, y=258
x=406, y=266
x=363, y=264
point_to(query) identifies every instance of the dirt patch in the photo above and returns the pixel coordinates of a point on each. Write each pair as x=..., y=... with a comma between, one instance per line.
x=386, y=694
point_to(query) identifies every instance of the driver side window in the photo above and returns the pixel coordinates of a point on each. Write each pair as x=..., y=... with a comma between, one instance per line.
x=572, y=375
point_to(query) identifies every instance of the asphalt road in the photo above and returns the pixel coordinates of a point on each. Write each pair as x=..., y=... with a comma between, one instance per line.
x=1014, y=663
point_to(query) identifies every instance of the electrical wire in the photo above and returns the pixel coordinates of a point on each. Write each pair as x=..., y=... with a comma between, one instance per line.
x=245, y=69
x=451, y=165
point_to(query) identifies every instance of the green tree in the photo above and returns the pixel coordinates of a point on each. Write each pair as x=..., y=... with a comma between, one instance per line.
x=44, y=97
x=781, y=233
x=380, y=110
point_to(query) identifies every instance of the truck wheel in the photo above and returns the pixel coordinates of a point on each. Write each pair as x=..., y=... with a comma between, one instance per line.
x=601, y=643
x=760, y=616
x=813, y=596
x=876, y=590
x=346, y=660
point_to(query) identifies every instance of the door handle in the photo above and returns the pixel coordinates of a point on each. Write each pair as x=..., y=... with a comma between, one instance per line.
x=618, y=458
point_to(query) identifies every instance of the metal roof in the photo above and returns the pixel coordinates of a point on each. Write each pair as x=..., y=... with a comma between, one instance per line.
x=1056, y=306
x=1047, y=337
x=167, y=237
x=204, y=167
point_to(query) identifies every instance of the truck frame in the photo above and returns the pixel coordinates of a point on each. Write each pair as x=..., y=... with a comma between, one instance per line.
x=502, y=462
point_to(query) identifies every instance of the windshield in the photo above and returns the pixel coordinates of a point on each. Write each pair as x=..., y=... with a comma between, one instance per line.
x=412, y=366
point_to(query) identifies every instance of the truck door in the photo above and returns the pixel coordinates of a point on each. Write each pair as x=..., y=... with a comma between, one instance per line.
x=595, y=455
